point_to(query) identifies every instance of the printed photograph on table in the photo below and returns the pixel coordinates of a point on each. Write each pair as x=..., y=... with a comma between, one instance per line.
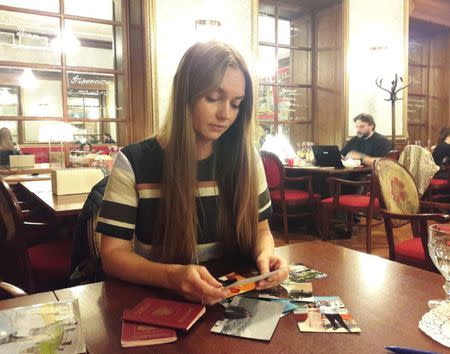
x=292, y=292
x=326, y=314
x=300, y=273
x=249, y=318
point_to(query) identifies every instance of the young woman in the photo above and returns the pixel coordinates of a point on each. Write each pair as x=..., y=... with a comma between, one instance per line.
x=196, y=190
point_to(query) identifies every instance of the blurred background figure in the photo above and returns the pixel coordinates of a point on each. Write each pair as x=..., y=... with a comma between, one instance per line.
x=7, y=146
x=86, y=147
x=107, y=139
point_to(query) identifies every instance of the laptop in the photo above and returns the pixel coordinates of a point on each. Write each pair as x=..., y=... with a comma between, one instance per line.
x=327, y=156
x=21, y=161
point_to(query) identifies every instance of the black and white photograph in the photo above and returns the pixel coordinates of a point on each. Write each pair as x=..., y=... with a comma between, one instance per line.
x=249, y=318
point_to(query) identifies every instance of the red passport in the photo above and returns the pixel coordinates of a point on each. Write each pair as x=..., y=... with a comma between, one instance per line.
x=165, y=313
x=135, y=335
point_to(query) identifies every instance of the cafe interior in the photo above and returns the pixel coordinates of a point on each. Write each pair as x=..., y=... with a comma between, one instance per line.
x=81, y=80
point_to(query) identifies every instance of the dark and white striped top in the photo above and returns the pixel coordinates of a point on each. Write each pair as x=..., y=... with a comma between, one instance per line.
x=132, y=196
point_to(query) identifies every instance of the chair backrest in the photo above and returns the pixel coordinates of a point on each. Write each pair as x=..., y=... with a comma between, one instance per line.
x=420, y=163
x=86, y=260
x=273, y=168
x=11, y=218
x=397, y=189
x=393, y=154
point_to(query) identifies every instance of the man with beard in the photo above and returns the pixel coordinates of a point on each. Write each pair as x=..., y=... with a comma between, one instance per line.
x=367, y=145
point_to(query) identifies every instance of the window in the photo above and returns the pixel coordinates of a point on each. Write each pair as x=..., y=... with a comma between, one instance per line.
x=284, y=70
x=62, y=64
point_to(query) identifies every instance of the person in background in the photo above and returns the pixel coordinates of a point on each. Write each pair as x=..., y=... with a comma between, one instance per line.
x=7, y=146
x=441, y=153
x=107, y=139
x=86, y=147
x=197, y=190
x=367, y=145
x=93, y=139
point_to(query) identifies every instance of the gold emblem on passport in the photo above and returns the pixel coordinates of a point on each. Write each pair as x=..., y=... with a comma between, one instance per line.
x=163, y=311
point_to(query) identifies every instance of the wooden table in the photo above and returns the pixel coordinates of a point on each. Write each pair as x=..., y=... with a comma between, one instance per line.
x=329, y=171
x=38, y=168
x=15, y=179
x=386, y=299
x=320, y=174
x=34, y=299
x=59, y=205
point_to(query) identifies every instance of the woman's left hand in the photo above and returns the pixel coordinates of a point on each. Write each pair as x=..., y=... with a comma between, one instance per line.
x=267, y=263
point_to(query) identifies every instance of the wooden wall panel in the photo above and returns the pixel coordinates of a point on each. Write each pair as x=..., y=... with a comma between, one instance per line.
x=418, y=91
x=435, y=11
x=429, y=95
x=329, y=116
x=141, y=121
x=439, y=87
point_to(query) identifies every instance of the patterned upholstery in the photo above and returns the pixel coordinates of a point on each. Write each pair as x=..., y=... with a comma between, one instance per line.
x=400, y=196
x=397, y=187
x=420, y=163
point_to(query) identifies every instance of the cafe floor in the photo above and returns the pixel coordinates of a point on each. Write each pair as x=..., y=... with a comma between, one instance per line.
x=356, y=242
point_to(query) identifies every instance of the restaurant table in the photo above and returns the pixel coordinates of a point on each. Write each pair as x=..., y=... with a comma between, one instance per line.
x=34, y=299
x=38, y=168
x=320, y=174
x=16, y=178
x=386, y=299
x=59, y=205
x=329, y=170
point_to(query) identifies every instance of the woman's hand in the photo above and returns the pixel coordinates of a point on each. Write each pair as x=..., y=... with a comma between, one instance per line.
x=267, y=263
x=196, y=284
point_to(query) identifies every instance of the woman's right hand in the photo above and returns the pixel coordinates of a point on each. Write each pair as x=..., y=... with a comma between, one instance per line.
x=196, y=284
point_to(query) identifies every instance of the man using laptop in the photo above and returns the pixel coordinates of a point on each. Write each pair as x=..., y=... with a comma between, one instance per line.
x=367, y=145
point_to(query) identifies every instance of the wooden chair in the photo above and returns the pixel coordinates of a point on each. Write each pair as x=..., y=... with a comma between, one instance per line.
x=86, y=259
x=365, y=204
x=393, y=154
x=439, y=188
x=9, y=291
x=399, y=200
x=30, y=255
x=288, y=202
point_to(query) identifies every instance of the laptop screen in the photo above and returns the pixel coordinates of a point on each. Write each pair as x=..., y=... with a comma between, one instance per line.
x=327, y=156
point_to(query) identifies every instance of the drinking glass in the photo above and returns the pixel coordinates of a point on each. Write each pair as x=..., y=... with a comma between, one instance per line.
x=439, y=249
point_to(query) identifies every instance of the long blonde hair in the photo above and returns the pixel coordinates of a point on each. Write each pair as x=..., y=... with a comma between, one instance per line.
x=202, y=69
x=6, y=142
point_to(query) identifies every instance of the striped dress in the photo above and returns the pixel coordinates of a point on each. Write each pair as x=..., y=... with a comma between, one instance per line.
x=131, y=199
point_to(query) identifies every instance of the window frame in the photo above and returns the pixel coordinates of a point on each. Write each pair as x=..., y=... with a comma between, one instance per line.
x=120, y=76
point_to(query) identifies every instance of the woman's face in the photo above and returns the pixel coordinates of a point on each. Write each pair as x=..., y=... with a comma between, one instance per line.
x=86, y=148
x=216, y=111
